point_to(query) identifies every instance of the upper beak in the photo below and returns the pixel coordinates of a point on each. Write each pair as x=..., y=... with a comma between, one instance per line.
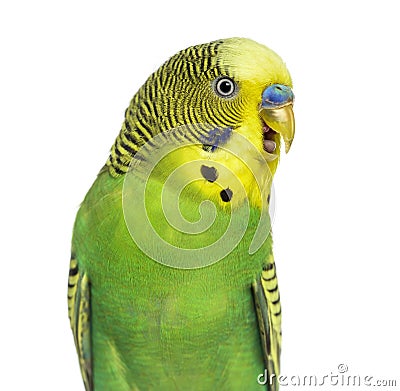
x=276, y=110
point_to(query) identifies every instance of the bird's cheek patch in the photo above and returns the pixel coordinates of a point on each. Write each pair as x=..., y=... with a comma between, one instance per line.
x=215, y=138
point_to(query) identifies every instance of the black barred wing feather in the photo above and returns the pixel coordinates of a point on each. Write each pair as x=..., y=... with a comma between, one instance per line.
x=79, y=316
x=268, y=308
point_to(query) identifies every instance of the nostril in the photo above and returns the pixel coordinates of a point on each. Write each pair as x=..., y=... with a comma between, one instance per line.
x=276, y=95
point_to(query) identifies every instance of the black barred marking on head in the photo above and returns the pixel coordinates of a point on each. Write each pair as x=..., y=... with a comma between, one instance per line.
x=179, y=93
x=215, y=138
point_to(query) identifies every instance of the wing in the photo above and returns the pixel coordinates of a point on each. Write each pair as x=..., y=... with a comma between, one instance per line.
x=79, y=316
x=268, y=308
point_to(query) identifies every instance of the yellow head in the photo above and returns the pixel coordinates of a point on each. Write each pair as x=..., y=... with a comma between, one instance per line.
x=232, y=98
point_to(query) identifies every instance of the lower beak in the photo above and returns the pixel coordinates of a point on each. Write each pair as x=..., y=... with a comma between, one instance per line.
x=280, y=119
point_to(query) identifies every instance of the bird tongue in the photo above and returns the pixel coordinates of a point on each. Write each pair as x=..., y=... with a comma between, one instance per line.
x=269, y=143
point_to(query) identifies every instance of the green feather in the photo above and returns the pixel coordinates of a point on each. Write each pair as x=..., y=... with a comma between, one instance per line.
x=138, y=323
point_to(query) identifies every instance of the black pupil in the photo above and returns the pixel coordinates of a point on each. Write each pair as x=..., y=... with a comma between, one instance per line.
x=225, y=87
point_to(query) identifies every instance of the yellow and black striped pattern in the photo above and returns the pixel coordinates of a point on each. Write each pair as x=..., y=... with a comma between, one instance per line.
x=268, y=308
x=178, y=93
x=79, y=316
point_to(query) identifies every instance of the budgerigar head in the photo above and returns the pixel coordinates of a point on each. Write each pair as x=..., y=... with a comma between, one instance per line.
x=232, y=86
x=263, y=90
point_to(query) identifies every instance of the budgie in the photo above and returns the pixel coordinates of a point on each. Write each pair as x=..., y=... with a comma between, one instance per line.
x=172, y=282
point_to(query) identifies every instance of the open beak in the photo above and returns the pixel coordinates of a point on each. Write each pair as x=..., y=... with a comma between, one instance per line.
x=276, y=110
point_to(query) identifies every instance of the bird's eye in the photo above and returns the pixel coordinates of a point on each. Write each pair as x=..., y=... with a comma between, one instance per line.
x=225, y=87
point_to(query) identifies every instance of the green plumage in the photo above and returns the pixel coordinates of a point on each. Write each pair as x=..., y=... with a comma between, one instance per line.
x=142, y=325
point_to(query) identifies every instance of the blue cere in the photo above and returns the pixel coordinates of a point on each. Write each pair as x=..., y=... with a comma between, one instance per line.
x=276, y=95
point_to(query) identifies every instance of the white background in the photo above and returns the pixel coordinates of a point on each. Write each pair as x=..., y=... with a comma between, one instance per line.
x=68, y=71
